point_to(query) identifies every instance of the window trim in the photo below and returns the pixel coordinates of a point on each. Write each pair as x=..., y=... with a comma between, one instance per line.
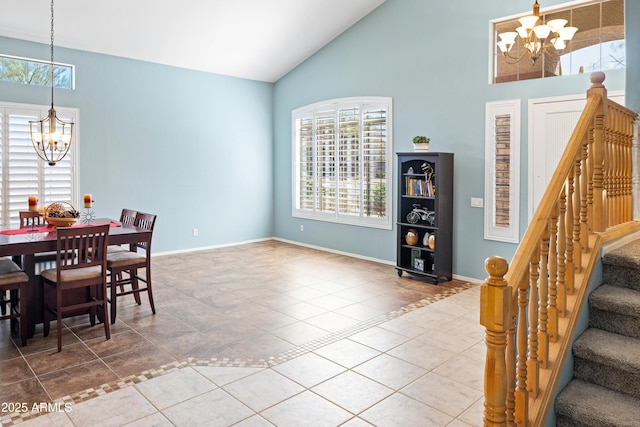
x=337, y=217
x=510, y=234
x=74, y=151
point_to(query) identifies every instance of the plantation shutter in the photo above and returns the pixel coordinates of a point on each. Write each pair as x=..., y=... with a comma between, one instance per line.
x=374, y=159
x=23, y=172
x=58, y=179
x=350, y=184
x=341, y=168
x=325, y=161
x=304, y=164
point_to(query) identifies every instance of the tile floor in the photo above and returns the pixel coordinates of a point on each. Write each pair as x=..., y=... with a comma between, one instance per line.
x=262, y=334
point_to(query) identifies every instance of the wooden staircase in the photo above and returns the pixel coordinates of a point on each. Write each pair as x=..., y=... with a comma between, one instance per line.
x=531, y=307
x=605, y=390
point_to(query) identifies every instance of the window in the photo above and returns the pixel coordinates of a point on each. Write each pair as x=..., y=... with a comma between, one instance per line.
x=23, y=172
x=598, y=45
x=35, y=72
x=341, y=161
x=502, y=159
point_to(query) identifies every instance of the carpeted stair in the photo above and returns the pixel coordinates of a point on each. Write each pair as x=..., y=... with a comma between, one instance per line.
x=605, y=390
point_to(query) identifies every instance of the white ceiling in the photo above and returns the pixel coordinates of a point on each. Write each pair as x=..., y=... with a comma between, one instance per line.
x=254, y=39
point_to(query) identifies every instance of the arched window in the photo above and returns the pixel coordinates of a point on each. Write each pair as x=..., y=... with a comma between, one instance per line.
x=342, y=152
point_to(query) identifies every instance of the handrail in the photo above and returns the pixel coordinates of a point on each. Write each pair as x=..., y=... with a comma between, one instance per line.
x=529, y=307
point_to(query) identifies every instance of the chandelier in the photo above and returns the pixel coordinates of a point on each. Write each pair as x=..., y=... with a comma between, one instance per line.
x=51, y=137
x=537, y=38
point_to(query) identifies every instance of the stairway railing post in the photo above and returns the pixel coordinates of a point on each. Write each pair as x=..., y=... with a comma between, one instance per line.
x=495, y=316
x=598, y=89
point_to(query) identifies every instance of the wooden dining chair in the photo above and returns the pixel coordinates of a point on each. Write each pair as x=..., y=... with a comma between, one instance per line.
x=31, y=219
x=128, y=216
x=81, y=265
x=14, y=281
x=28, y=219
x=129, y=262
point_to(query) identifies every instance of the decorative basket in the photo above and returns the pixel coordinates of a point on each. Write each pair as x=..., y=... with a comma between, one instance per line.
x=59, y=215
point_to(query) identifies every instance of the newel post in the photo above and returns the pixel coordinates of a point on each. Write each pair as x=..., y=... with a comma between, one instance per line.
x=495, y=315
x=599, y=195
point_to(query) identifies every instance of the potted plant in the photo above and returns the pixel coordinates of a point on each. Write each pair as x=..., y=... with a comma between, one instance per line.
x=421, y=143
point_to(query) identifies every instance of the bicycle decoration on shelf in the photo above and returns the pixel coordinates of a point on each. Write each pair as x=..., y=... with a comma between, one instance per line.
x=418, y=213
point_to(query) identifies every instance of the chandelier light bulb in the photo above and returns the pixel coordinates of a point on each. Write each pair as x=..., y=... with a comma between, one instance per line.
x=567, y=33
x=559, y=44
x=529, y=22
x=523, y=33
x=556, y=24
x=542, y=31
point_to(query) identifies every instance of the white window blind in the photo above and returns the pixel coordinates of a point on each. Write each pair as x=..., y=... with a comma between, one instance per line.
x=23, y=172
x=341, y=153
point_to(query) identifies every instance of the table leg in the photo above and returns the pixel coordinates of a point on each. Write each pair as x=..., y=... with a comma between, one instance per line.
x=34, y=294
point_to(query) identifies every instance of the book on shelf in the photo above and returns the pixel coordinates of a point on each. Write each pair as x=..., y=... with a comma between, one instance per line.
x=419, y=187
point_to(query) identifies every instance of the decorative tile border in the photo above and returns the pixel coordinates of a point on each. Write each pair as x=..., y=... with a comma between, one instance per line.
x=76, y=398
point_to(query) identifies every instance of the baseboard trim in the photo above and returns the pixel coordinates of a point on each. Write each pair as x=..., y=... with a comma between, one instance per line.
x=293, y=242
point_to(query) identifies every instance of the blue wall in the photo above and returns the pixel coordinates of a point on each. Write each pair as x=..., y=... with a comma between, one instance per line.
x=194, y=148
x=213, y=152
x=432, y=58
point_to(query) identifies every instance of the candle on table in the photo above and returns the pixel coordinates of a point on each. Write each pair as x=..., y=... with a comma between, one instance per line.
x=88, y=201
x=33, y=203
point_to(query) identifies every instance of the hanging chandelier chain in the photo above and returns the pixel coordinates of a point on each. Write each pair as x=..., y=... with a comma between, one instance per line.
x=51, y=137
x=52, y=54
x=52, y=33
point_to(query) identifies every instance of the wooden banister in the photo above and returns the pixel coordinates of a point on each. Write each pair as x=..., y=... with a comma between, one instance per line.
x=529, y=307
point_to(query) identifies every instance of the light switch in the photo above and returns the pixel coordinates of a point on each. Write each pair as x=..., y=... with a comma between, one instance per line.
x=477, y=202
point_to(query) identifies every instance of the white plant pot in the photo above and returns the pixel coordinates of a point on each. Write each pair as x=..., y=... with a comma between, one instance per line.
x=421, y=147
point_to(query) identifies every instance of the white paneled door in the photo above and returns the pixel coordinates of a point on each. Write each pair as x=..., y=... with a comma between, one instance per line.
x=551, y=122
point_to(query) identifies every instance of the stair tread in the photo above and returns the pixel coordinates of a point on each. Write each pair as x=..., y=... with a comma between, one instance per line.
x=609, y=349
x=625, y=256
x=616, y=299
x=594, y=405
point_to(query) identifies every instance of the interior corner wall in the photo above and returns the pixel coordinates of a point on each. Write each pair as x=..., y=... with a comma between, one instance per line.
x=432, y=58
x=194, y=148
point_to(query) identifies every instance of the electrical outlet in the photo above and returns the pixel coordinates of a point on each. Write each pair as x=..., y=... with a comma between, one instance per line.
x=301, y=227
x=195, y=232
x=477, y=202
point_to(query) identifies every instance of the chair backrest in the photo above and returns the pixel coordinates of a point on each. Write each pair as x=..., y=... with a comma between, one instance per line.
x=31, y=219
x=147, y=222
x=128, y=216
x=79, y=247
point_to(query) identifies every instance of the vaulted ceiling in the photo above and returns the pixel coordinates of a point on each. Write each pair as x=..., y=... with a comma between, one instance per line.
x=254, y=39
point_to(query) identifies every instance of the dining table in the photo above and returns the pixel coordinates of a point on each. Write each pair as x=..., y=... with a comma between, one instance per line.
x=24, y=243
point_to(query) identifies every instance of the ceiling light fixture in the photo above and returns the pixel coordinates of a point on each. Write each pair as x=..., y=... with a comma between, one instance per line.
x=51, y=137
x=550, y=38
